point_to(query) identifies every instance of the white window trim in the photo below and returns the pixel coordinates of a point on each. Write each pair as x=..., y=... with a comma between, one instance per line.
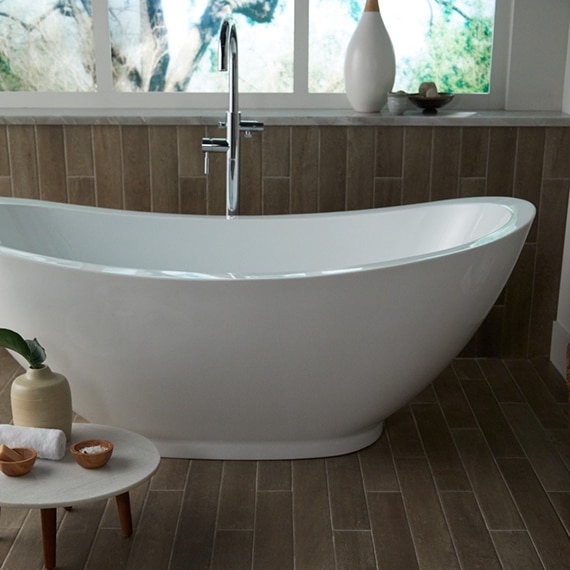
x=107, y=98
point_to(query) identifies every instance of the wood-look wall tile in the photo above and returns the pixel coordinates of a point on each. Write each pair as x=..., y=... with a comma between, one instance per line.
x=391, y=532
x=79, y=150
x=274, y=476
x=276, y=151
x=136, y=168
x=445, y=163
x=332, y=169
x=537, y=394
x=515, y=334
x=550, y=246
x=387, y=192
x=540, y=451
x=360, y=168
x=81, y=190
x=472, y=541
x=548, y=534
x=416, y=182
x=193, y=195
x=557, y=153
x=233, y=550
x=4, y=152
x=273, y=543
x=404, y=438
x=501, y=162
x=108, y=166
x=304, y=170
x=452, y=400
x=446, y=467
x=492, y=421
x=500, y=380
x=346, y=490
x=237, y=497
x=377, y=465
x=312, y=517
x=495, y=502
x=164, y=169
x=276, y=195
x=5, y=186
x=389, y=152
x=471, y=187
x=516, y=551
x=197, y=524
x=354, y=549
x=23, y=161
x=216, y=183
x=251, y=176
x=430, y=533
x=190, y=155
x=529, y=167
x=51, y=163
x=474, y=152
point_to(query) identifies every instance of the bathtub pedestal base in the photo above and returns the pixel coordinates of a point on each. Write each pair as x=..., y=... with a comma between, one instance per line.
x=268, y=450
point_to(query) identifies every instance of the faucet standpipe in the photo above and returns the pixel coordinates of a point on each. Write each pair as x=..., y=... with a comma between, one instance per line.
x=228, y=61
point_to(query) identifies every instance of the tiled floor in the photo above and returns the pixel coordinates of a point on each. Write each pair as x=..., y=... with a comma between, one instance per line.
x=473, y=474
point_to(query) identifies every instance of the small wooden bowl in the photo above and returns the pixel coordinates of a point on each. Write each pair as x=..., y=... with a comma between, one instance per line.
x=91, y=459
x=22, y=466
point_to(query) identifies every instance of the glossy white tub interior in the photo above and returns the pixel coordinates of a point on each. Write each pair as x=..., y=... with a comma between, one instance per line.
x=259, y=337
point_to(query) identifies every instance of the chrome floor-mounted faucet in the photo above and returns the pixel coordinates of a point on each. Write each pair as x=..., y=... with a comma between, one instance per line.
x=228, y=61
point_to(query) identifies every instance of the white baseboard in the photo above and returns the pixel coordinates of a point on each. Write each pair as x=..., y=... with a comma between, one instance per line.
x=560, y=340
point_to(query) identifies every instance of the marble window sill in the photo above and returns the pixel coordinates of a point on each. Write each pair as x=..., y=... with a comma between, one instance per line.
x=296, y=117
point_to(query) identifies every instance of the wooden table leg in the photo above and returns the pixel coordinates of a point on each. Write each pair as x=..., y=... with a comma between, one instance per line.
x=49, y=519
x=124, y=507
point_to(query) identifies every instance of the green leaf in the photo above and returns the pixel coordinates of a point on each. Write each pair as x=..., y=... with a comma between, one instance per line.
x=31, y=350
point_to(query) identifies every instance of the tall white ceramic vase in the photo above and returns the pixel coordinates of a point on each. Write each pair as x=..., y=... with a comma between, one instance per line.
x=370, y=64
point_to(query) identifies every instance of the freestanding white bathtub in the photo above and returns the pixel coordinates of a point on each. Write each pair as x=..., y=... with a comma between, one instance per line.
x=258, y=337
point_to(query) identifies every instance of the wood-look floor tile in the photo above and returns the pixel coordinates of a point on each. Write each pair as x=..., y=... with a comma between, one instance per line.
x=442, y=455
x=233, y=550
x=346, y=489
x=377, y=465
x=171, y=475
x=516, y=551
x=274, y=476
x=404, y=438
x=197, y=523
x=311, y=515
x=76, y=534
x=273, y=540
x=237, y=498
x=391, y=532
x=467, y=369
x=354, y=550
x=110, y=551
x=502, y=383
x=492, y=421
x=153, y=540
x=552, y=379
x=489, y=487
x=548, y=465
x=430, y=533
x=137, y=497
x=452, y=400
x=548, y=534
x=537, y=395
x=561, y=502
x=26, y=552
x=472, y=541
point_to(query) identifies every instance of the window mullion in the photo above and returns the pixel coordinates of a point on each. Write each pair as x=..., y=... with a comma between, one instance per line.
x=301, y=48
x=102, y=46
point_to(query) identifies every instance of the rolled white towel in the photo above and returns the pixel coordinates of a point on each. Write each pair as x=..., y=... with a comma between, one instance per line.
x=48, y=443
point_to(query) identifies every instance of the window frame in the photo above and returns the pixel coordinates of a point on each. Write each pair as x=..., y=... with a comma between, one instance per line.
x=106, y=98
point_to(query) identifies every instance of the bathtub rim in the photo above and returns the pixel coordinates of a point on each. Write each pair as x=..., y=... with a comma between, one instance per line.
x=522, y=214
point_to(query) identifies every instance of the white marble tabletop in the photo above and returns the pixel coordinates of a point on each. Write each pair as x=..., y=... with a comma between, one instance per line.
x=64, y=483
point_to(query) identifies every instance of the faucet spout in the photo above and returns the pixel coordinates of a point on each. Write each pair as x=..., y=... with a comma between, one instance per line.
x=228, y=61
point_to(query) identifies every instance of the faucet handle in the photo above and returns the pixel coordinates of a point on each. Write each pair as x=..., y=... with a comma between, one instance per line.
x=250, y=126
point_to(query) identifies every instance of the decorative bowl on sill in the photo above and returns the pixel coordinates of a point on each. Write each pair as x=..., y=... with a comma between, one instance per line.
x=430, y=105
x=92, y=453
x=18, y=467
